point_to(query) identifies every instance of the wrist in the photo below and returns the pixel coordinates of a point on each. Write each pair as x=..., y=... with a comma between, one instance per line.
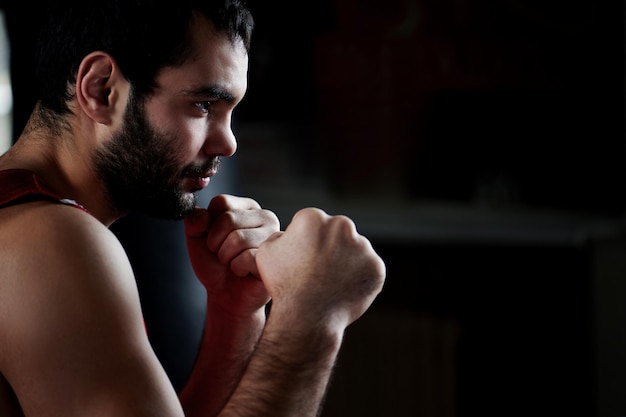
x=229, y=318
x=287, y=324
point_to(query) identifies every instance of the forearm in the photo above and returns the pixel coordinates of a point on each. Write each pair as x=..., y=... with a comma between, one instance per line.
x=288, y=374
x=225, y=350
x=321, y=276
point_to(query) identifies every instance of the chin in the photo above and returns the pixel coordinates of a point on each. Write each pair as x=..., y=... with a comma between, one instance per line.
x=189, y=200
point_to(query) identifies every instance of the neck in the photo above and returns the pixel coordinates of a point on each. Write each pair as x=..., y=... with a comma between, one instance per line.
x=60, y=160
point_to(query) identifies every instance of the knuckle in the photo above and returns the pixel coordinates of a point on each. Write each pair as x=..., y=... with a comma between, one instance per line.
x=253, y=204
x=344, y=224
x=219, y=200
x=228, y=218
x=244, y=263
x=311, y=213
x=271, y=218
x=237, y=238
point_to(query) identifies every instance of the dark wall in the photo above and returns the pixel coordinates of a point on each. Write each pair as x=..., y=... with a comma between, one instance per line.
x=514, y=101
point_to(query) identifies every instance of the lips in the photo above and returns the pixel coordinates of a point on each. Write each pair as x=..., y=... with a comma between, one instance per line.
x=199, y=183
x=195, y=182
x=198, y=177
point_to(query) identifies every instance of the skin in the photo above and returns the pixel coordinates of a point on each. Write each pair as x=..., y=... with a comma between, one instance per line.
x=72, y=338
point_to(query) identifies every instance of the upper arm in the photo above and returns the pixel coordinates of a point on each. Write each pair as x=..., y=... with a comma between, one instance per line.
x=74, y=342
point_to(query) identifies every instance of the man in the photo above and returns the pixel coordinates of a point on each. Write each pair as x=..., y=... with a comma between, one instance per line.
x=133, y=114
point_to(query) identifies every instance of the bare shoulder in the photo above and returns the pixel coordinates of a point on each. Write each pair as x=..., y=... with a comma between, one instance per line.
x=70, y=321
x=45, y=244
x=52, y=228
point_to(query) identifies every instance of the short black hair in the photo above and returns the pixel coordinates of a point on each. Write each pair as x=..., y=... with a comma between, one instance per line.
x=143, y=36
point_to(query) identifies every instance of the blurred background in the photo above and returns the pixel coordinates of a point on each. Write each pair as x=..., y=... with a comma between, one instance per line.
x=479, y=144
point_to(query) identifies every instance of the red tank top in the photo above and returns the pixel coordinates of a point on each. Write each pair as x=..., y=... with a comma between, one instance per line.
x=20, y=185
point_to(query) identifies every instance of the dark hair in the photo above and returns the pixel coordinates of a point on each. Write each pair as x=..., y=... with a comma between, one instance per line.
x=143, y=36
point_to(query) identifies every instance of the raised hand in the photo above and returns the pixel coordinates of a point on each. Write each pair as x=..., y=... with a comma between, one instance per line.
x=222, y=241
x=320, y=269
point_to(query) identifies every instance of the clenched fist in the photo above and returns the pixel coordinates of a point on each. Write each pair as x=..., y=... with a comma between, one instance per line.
x=320, y=269
x=222, y=241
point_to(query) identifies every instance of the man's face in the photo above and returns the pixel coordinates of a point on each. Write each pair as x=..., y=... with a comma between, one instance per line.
x=169, y=144
x=142, y=168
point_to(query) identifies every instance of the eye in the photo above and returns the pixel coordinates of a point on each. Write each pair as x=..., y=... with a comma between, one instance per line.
x=203, y=106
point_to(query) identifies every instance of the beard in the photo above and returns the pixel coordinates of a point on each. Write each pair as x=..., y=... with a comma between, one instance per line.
x=141, y=171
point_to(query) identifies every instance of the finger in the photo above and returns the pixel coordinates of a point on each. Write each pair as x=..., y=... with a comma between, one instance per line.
x=344, y=226
x=245, y=264
x=240, y=240
x=224, y=202
x=266, y=248
x=230, y=228
x=310, y=212
x=307, y=218
x=226, y=212
x=273, y=236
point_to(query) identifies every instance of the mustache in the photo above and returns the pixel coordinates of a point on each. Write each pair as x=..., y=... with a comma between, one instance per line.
x=211, y=166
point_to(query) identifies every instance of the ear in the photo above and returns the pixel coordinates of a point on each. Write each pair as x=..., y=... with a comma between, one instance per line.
x=99, y=87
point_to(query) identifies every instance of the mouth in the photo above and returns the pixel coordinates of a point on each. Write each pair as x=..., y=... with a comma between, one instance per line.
x=199, y=181
x=199, y=178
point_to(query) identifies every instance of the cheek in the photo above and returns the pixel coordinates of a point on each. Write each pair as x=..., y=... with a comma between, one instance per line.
x=189, y=132
x=161, y=117
x=189, y=138
x=193, y=132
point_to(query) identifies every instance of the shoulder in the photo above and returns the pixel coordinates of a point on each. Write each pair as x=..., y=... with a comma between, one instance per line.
x=60, y=265
x=70, y=316
x=45, y=237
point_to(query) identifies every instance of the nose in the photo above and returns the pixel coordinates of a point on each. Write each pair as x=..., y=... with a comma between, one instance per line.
x=220, y=140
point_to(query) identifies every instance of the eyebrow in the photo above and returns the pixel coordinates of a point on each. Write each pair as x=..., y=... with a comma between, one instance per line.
x=212, y=91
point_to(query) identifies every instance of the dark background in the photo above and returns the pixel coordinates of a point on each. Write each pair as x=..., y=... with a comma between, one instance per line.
x=480, y=145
